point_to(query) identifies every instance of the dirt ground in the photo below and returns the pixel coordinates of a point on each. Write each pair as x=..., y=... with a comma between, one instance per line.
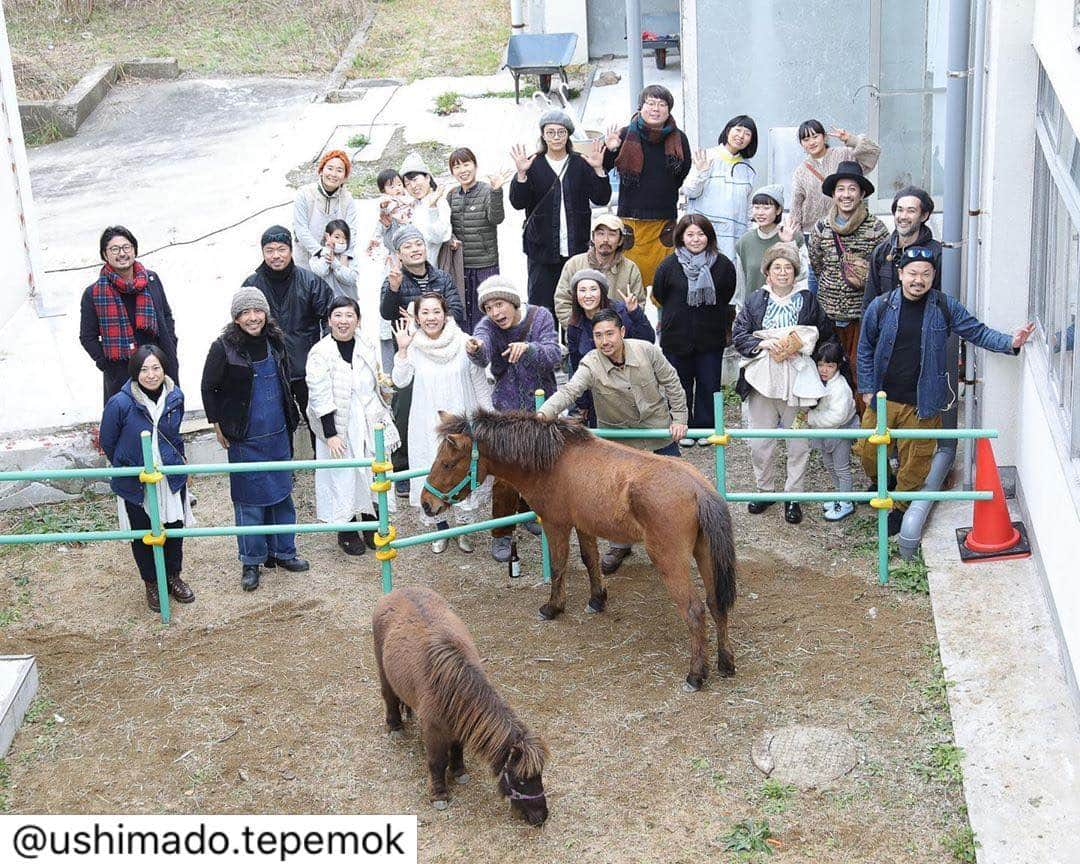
x=269, y=702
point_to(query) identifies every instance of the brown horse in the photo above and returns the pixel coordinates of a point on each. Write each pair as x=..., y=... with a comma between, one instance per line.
x=572, y=479
x=427, y=662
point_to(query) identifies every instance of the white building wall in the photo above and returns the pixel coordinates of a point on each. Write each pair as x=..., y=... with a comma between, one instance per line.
x=1013, y=396
x=18, y=236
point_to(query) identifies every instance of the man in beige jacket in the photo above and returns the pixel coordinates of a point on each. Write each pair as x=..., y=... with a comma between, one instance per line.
x=606, y=255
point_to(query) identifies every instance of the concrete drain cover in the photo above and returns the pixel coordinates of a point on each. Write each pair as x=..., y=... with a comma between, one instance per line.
x=804, y=756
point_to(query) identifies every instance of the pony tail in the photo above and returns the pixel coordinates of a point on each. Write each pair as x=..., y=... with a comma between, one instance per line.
x=715, y=522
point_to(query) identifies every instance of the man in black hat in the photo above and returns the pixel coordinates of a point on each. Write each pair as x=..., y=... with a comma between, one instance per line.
x=299, y=302
x=840, y=247
x=911, y=207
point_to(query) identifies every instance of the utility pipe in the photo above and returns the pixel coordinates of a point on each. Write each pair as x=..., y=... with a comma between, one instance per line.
x=634, y=63
x=517, y=19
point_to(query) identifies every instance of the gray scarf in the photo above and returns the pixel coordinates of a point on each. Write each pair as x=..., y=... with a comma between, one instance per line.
x=700, y=287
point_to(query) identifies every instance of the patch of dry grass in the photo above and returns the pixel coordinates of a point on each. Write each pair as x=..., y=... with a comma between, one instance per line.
x=442, y=37
x=54, y=42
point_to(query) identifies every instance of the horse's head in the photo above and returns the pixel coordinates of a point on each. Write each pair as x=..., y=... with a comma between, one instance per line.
x=453, y=474
x=520, y=780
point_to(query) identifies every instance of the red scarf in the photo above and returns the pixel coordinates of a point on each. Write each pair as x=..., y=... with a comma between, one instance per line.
x=631, y=158
x=117, y=334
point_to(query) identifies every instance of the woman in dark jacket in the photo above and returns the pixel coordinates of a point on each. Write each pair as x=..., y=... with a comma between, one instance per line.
x=124, y=309
x=554, y=187
x=589, y=291
x=694, y=286
x=150, y=402
x=245, y=390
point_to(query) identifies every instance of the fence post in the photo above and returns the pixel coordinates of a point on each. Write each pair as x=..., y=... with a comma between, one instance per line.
x=883, y=503
x=719, y=445
x=150, y=477
x=386, y=533
x=545, y=552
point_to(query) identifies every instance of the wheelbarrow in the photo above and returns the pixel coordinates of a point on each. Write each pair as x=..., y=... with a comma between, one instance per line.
x=543, y=54
x=661, y=33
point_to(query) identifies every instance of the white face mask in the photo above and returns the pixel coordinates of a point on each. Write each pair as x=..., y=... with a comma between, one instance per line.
x=340, y=247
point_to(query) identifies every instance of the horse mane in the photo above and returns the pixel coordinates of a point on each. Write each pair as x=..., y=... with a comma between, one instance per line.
x=518, y=438
x=476, y=713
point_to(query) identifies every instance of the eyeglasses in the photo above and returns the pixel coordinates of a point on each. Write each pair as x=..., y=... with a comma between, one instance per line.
x=116, y=250
x=555, y=133
x=654, y=103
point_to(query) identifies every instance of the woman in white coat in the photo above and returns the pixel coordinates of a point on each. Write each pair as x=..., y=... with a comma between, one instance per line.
x=720, y=186
x=433, y=359
x=344, y=405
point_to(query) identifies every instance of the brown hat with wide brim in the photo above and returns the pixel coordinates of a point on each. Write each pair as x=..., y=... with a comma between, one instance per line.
x=846, y=171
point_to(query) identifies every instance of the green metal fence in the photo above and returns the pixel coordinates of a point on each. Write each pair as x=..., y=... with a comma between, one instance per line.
x=386, y=540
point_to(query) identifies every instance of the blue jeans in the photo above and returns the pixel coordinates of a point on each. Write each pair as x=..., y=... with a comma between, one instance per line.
x=254, y=548
x=699, y=374
x=669, y=449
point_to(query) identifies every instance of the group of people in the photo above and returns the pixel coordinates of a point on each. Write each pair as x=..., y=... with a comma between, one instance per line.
x=819, y=305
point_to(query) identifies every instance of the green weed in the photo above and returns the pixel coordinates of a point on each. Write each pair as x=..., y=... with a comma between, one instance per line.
x=80, y=514
x=776, y=796
x=46, y=133
x=448, y=103
x=5, y=787
x=911, y=576
x=961, y=844
x=943, y=764
x=749, y=835
x=358, y=141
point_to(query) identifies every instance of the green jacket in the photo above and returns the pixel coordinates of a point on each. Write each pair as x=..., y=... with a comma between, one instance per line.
x=474, y=217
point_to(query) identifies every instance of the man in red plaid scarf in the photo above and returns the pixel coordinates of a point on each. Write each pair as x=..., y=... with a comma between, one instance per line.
x=124, y=309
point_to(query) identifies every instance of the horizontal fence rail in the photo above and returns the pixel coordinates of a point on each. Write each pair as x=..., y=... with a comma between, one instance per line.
x=386, y=540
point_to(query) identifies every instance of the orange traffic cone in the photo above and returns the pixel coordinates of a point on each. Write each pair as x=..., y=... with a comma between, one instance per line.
x=993, y=536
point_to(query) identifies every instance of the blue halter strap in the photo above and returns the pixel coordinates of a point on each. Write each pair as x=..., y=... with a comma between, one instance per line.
x=469, y=480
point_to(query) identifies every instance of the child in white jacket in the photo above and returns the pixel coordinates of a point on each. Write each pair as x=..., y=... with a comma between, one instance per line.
x=333, y=262
x=834, y=410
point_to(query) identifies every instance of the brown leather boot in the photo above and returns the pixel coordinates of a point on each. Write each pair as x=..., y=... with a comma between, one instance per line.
x=152, y=597
x=179, y=589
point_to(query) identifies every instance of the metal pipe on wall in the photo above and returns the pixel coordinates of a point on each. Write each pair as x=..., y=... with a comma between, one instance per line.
x=971, y=257
x=634, y=62
x=517, y=19
x=956, y=85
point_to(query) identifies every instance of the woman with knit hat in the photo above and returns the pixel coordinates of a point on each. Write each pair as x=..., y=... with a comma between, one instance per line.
x=767, y=229
x=694, y=286
x=246, y=396
x=430, y=212
x=589, y=293
x=555, y=186
x=321, y=202
x=432, y=359
x=720, y=187
x=653, y=157
x=776, y=332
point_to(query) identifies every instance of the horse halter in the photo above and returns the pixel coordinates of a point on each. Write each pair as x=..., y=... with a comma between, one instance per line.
x=513, y=794
x=469, y=480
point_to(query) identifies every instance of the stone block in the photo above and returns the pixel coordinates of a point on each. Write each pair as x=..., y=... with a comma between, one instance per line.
x=87, y=94
x=18, y=686
x=33, y=494
x=157, y=68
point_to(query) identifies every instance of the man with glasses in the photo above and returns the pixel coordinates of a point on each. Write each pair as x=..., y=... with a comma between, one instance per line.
x=902, y=351
x=123, y=310
x=554, y=187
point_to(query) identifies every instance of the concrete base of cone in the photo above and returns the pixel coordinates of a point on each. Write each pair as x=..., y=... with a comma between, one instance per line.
x=1020, y=549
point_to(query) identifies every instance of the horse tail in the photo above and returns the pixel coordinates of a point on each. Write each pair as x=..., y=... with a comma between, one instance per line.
x=714, y=522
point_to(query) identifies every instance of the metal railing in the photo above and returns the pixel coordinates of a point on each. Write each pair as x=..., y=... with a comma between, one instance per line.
x=386, y=540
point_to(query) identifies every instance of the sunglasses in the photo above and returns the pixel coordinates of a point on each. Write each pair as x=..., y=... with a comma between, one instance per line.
x=917, y=252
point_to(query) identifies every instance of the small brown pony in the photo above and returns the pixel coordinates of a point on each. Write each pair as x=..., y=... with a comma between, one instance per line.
x=428, y=663
x=572, y=479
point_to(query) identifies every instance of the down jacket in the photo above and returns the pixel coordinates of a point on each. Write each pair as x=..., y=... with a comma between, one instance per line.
x=474, y=217
x=123, y=423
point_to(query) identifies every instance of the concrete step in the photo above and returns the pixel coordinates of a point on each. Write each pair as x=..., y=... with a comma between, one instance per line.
x=18, y=687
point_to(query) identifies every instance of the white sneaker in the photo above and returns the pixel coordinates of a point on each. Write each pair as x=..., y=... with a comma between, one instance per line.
x=841, y=510
x=686, y=442
x=703, y=442
x=827, y=507
x=464, y=543
x=439, y=546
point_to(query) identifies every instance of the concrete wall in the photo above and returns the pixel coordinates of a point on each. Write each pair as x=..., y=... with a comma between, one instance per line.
x=18, y=234
x=1014, y=395
x=566, y=16
x=780, y=84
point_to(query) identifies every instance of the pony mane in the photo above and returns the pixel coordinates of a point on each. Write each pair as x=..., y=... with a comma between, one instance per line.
x=476, y=713
x=518, y=438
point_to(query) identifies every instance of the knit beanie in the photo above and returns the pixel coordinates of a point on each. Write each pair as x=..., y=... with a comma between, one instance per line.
x=497, y=287
x=925, y=201
x=555, y=117
x=249, y=297
x=405, y=232
x=787, y=251
x=276, y=234
x=588, y=273
x=336, y=154
x=772, y=190
x=414, y=164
